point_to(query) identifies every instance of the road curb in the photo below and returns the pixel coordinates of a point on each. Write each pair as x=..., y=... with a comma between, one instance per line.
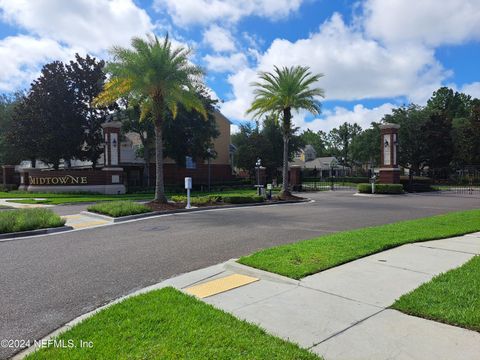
x=235, y=266
x=16, y=235
x=168, y=212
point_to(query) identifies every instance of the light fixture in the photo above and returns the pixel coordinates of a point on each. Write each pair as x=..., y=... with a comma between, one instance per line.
x=386, y=143
x=114, y=143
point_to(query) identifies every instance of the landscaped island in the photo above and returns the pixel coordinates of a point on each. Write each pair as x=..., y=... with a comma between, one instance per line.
x=28, y=219
x=126, y=208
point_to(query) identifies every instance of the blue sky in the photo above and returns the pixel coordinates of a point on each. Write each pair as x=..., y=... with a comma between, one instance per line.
x=375, y=54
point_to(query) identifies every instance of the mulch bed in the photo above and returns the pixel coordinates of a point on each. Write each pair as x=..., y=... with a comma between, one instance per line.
x=290, y=197
x=164, y=207
x=175, y=206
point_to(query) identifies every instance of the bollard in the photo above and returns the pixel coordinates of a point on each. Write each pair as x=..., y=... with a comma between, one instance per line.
x=188, y=186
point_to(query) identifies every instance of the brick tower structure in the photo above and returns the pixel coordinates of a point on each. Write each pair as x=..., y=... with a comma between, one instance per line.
x=389, y=169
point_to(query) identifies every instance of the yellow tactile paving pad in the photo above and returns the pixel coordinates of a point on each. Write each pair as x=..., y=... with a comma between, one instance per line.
x=218, y=286
x=82, y=222
x=88, y=224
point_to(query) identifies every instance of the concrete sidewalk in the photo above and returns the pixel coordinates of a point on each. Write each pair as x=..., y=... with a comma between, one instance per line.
x=342, y=313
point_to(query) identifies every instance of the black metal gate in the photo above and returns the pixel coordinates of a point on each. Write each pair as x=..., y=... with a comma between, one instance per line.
x=327, y=184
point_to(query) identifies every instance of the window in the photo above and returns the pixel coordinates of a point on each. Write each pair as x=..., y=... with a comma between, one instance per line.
x=189, y=163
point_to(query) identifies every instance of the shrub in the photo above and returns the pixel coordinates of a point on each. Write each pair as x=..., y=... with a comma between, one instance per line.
x=28, y=219
x=119, y=208
x=197, y=200
x=242, y=199
x=178, y=198
x=419, y=183
x=380, y=188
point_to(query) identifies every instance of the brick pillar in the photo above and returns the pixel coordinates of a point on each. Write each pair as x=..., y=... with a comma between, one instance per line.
x=8, y=174
x=115, y=177
x=24, y=179
x=389, y=169
x=295, y=176
x=111, y=133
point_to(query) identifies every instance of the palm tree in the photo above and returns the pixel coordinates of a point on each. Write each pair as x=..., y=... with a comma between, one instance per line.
x=281, y=92
x=161, y=77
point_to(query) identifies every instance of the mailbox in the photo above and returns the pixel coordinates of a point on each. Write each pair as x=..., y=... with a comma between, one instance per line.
x=188, y=183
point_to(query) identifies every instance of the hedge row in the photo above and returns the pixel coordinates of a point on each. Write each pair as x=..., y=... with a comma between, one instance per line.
x=196, y=200
x=380, y=188
x=419, y=183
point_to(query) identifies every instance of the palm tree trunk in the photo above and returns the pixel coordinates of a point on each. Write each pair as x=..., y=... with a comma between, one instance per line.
x=286, y=136
x=159, y=184
x=285, y=188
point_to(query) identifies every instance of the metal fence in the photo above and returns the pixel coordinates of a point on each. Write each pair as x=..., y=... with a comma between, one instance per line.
x=332, y=184
x=465, y=190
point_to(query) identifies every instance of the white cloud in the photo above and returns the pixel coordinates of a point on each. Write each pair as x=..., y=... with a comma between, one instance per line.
x=186, y=12
x=242, y=94
x=91, y=24
x=219, y=39
x=333, y=118
x=431, y=22
x=472, y=89
x=234, y=129
x=21, y=55
x=355, y=67
x=231, y=63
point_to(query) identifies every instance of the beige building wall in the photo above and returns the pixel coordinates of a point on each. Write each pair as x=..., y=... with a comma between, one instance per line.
x=222, y=142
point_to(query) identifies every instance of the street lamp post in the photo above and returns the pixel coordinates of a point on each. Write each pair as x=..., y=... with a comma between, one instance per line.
x=258, y=164
x=209, y=151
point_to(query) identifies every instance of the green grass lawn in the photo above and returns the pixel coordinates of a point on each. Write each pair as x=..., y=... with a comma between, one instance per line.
x=28, y=219
x=70, y=198
x=119, y=208
x=167, y=324
x=307, y=257
x=452, y=297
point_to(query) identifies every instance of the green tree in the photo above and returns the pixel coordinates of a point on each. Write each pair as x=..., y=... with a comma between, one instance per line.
x=281, y=92
x=340, y=140
x=365, y=147
x=266, y=143
x=8, y=152
x=412, y=148
x=250, y=146
x=163, y=78
x=317, y=140
x=48, y=121
x=439, y=147
x=466, y=137
x=144, y=129
x=86, y=78
x=449, y=103
x=190, y=133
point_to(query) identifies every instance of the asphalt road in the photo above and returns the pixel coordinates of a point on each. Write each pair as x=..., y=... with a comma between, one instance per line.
x=49, y=280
